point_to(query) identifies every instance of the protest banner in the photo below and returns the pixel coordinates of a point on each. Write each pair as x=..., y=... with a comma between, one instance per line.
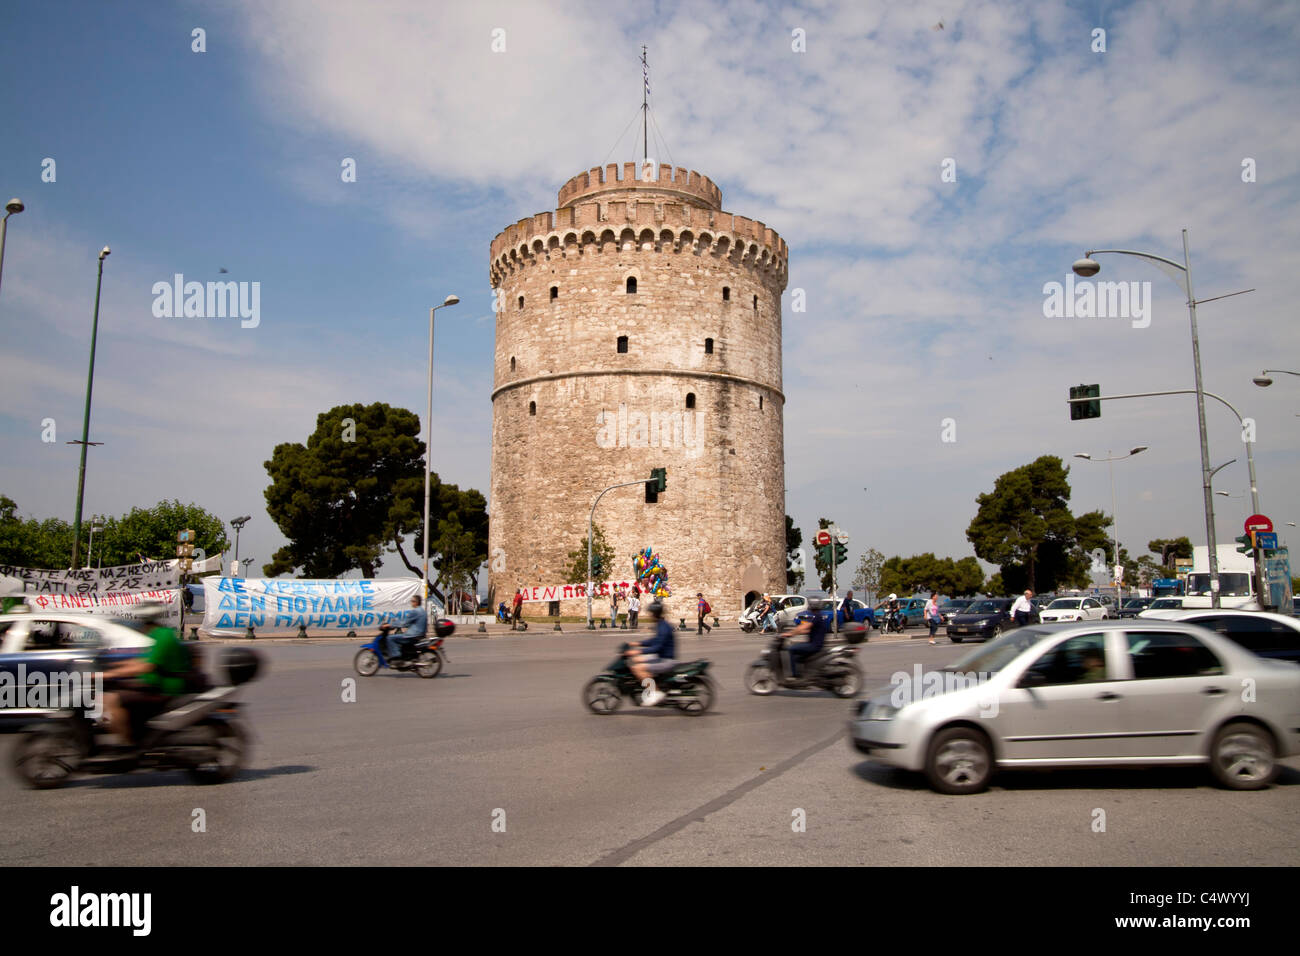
x=277, y=608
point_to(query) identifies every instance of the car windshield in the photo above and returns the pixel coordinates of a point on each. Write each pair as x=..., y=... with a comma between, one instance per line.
x=998, y=653
x=1137, y=602
x=1072, y=603
x=984, y=607
x=958, y=604
x=1231, y=584
x=1166, y=602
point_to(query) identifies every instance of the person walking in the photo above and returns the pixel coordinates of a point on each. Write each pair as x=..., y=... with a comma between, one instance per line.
x=518, y=607
x=932, y=616
x=613, y=607
x=1023, y=608
x=633, y=607
x=702, y=608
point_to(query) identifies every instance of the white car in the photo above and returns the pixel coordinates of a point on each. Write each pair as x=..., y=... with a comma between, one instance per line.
x=1260, y=632
x=1162, y=608
x=787, y=606
x=1074, y=609
x=1092, y=694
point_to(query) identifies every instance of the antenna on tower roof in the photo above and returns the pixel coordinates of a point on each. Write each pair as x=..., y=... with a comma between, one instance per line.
x=645, y=106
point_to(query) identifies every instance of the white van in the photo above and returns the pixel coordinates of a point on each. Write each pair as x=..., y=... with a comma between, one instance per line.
x=1238, y=585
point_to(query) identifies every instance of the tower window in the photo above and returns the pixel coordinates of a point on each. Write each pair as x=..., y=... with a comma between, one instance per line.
x=521, y=302
x=512, y=363
x=631, y=285
x=760, y=403
x=690, y=399
x=532, y=408
x=555, y=292
x=622, y=345
x=708, y=346
x=755, y=303
x=726, y=293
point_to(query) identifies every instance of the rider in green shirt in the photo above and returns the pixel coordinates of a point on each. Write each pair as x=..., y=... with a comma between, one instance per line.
x=163, y=672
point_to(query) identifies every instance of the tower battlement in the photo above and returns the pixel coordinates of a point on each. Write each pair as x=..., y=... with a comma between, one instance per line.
x=685, y=185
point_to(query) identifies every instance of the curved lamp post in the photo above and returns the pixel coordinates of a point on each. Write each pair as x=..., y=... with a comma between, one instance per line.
x=1262, y=379
x=428, y=442
x=12, y=208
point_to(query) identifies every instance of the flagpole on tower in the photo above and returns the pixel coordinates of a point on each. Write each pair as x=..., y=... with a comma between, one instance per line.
x=645, y=109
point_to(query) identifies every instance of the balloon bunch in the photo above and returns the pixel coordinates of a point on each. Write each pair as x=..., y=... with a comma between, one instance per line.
x=651, y=575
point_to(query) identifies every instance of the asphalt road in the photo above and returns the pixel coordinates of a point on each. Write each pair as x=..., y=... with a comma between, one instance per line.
x=417, y=772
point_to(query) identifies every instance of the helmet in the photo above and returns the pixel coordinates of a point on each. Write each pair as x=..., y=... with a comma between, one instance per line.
x=656, y=609
x=893, y=597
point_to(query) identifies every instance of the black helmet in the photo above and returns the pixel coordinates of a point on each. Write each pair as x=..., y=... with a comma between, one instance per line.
x=656, y=609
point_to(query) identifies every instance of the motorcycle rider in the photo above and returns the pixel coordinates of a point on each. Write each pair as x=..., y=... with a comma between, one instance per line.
x=413, y=631
x=892, y=614
x=648, y=658
x=148, y=682
x=815, y=627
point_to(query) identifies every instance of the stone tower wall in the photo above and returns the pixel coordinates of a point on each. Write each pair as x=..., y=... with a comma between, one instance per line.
x=572, y=415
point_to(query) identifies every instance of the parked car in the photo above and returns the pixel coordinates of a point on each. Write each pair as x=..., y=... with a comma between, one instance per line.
x=1159, y=606
x=48, y=642
x=1074, y=609
x=1276, y=636
x=984, y=620
x=1132, y=606
x=861, y=614
x=1090, y=694
x=912, y=609
x=786, y=606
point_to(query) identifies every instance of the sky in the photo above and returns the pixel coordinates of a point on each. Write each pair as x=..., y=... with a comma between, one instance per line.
x=930, y=182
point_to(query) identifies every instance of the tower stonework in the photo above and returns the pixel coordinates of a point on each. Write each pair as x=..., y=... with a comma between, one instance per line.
x=638, y=326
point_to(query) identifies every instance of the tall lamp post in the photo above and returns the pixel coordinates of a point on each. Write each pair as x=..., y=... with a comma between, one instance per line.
x=1182, y=274
x=12, y=207
x=238, y=525
x=1114, y=514
x=428, y=441
x=85, y=422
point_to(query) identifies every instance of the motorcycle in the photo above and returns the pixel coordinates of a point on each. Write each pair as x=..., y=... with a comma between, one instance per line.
x=425, y=656
x=199, y=733
x=751, y=620
x=832, y=668
x=894, y=623
x=503, y=617
x=686, y=687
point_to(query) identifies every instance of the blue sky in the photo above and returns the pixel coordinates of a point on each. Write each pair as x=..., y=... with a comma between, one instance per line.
x=924, y=296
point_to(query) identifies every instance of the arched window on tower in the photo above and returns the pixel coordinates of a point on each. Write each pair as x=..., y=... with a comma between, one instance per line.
x=521, y=302
x=555, y=292
x=708, y=346
x=512, y=363
x=690, y=399
x=532, y=408
x=631, y=285
x=726, y=293
x=622, y=345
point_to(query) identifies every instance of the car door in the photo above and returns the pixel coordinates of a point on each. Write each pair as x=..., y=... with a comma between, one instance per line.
x=1073, y=710
x=1092, y=610
x=1179, y=689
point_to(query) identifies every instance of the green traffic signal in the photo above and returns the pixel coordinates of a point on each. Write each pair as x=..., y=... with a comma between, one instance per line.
x=824, y=554
x=1080, y=410
x=841, y=553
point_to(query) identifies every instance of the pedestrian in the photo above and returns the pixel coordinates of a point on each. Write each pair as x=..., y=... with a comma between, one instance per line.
x=613, y=607
x=519, y=606
x=1023, y=608
x=633, y=608
x=847, y=608
x=932, y=616
x=702, y=607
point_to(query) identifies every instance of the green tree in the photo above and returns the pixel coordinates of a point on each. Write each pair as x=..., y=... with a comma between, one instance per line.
x=994, y=586
x=602, y=559
x=1169, y=549
x=867, y=576
x=794, y=568
x=151, y=533
x=1025, y=526
x=967, y=578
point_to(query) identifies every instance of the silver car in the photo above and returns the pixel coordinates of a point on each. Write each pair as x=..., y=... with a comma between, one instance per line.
x=1088, y=694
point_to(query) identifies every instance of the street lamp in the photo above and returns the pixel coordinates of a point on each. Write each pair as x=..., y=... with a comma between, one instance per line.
x=1182, y=274
x=1262, y=379
x=1114, y=515
x=12, y=207
x=85, y=423
x=238, y=525
x=428, y=441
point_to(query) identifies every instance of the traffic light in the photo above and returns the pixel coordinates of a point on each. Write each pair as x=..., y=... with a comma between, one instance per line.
x=658, y=482
x=1080, y=410
x=1246, y=543
x=824, y=555
x=841, y=553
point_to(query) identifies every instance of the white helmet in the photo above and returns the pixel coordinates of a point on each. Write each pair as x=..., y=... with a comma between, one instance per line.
x=893, y=597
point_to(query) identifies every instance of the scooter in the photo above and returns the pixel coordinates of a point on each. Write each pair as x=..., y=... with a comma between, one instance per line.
x=199, y=733
x=832, y=668
x=894, y=623
x=425, y=656
x=686, y=687
x=503, y=617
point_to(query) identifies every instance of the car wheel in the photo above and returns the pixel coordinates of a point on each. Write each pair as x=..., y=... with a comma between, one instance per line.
x=960, y=761
x=1243, y=757
x=995, y=633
